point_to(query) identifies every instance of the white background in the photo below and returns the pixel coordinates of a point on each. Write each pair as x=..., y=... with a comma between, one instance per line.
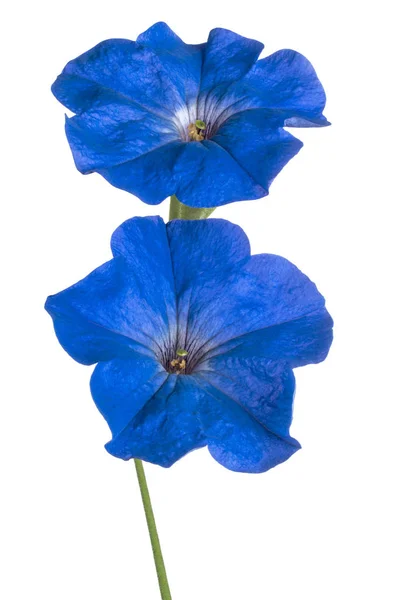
x=325, y=524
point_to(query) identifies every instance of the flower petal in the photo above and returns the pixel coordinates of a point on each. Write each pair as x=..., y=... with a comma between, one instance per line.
x=150, y=177
x=183, y=62
x=83, y=323
x=227, y=58
x=207, y=175
x=121, y=387
x=118, y=132
x=285, y=83
x=201, y=249
x=122, y=305
x=200, y=252
x=166, y=428
x=235, y=438
x=300, y=342
x=290, y=83
x=320, y=121
x=264, y=388
x=259, y=148
x=143, y=244
x=265, y=297
x=119, y=68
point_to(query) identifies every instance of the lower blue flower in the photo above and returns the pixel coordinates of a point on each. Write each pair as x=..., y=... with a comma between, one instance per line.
x=195, y=340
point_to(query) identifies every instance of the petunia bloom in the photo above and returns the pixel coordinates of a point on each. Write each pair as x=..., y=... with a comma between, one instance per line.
x=195, y=340
x=158, y=117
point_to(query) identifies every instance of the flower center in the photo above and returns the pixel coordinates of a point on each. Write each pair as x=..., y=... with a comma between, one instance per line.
x=197, y=131
x=182, y=360
x=178, y=364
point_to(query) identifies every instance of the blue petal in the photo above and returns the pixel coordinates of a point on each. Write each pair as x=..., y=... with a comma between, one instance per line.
x=202, y=249
x=207, y=175
x=143, y=244
x=285, y=83
x=166, y=428
x=320, y=121
x=259, y=148
x=121, y=387
x=235, y=438
x=115, y=133
x=264, y=388
x=300, y=342
x=265, y=297
x=228, y=57
x=127, y=304
x=202, y=252
x=285, y=317
x=150, y=177
x=121, y=69
x=183, y=62
x=84, y=324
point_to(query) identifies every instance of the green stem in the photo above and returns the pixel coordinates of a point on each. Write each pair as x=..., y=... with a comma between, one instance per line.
x=151, y=525
x=177, y=210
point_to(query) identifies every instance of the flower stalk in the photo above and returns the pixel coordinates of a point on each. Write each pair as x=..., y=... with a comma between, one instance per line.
x=177, y=210
x=151, y=524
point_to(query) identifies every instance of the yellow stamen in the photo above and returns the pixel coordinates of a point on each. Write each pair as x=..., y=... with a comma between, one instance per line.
x=195, y=134
x=178, y=365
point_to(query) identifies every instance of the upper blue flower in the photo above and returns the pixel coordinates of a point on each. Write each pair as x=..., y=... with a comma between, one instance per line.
x=137, y=104
x=196, y=341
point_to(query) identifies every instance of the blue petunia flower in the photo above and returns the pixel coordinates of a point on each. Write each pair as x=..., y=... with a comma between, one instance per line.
x=158, y=117
x=195, y=340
